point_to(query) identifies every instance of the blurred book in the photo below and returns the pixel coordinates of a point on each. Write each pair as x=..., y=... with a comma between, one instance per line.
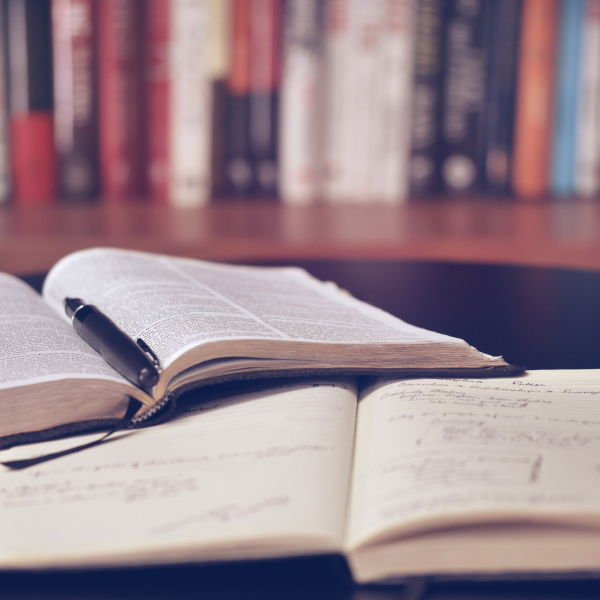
x=74, y=31
x=121, y=100
x=33, y=159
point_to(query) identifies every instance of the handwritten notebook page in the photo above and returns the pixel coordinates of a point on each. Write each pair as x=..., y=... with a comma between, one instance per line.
x=434, y=453
x=261, y=474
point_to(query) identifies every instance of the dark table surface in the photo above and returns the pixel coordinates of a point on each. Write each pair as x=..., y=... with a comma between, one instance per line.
x=540, y=318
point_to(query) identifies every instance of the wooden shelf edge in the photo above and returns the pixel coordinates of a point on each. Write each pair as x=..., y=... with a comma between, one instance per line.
x=558, y=234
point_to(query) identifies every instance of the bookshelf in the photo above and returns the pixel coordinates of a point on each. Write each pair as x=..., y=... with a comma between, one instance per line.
x=464, y=230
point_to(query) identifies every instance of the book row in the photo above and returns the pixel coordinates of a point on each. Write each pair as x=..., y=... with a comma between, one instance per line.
x=342, y=101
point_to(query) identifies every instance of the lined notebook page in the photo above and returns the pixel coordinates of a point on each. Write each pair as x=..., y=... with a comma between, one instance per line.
x=437, y=452
x=261, y=474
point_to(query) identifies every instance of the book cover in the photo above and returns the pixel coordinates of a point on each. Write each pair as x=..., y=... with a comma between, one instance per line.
x=300, y=119
x=121, y=100
x=75, y=97
x=535, y=99
x=568, y=89
x=427, y=84
x=265, y=73
x=587, y=150
x=33, y=161
x=463, y=99
x=502, y=43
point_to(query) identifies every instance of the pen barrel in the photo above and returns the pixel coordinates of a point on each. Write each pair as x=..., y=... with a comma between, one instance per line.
x=116, y=347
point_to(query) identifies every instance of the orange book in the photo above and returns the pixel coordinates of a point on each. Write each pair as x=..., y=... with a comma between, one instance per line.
x=535, y=99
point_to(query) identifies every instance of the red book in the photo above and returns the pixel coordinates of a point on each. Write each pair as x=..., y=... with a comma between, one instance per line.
x=535, y=99
x=121, y=99
x=31, y=119
x=33, y=158
x=157, y=97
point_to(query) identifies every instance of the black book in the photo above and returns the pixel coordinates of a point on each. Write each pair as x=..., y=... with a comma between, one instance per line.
x=427, y=92
x=463, y=94
x=502, y=40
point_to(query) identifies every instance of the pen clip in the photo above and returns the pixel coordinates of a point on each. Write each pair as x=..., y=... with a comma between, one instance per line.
x=148, y=351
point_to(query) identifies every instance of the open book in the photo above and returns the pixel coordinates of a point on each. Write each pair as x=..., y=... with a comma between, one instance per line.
x=206, y=323
x=421, y=476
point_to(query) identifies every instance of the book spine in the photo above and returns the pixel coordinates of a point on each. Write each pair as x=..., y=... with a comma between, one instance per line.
x=587, y=162
x=156, y=71
x=31, y=116
x=265, y=75
x=365, y=22
x=502, y=34
x=535, y=98
x=464, y=96
x=219, y=51
x=121, y=100
x=390, y=129
x=189, y=102
x=426, y=98
x=238, y=167
x=337, y=140
x=75, y=110
x=567, y=92
x=299, y=117
x=4, y=117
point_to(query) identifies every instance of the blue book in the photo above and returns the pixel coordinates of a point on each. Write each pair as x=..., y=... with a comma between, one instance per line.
x=567, y=96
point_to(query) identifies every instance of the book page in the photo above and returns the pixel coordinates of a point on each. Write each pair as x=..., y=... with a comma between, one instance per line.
x=37, y=345
x=264, y=473
x=443, y=452
x=174, y=304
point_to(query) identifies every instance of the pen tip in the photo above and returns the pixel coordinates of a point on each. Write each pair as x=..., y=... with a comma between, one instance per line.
x=71, y=305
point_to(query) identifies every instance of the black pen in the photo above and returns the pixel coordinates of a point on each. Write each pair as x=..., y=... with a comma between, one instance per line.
x=115, y=346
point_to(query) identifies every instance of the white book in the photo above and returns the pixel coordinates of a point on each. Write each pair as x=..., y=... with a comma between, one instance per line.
x=365, y=19
x=587, y=158
x=390, y=129
x=338, y=137
x=300, y=95
x=189, y=104
x=369, y=70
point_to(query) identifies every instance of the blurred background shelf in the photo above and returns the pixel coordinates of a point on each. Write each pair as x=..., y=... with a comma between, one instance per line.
x=562, y=234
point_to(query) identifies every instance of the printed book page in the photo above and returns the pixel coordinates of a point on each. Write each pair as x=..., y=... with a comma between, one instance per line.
x=175, y=304
x=433, y=453
x=37, y=345
x=255, y=475
x=48, y=374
